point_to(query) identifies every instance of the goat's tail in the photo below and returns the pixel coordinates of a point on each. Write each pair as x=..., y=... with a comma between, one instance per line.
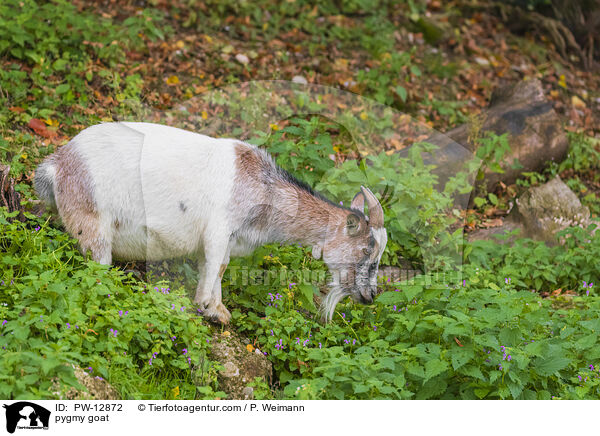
x=44, y=182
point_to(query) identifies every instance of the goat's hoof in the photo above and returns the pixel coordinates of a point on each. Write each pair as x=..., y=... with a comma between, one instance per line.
x=219, y=314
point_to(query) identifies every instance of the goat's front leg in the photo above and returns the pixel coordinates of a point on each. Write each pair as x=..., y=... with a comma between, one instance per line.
x=208, y=294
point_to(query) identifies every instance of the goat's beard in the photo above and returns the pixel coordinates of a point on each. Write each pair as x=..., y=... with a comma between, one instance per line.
x=335, y=294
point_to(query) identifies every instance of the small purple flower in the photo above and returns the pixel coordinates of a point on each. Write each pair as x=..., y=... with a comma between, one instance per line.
x=150, y=362
x=464, y=283
x=208, y=341
x=37, y=228
x=291, y=284
x=185, y=351
x=319, y=345
x=500, y=366
x=120, y=313
x=592, y=367
x=341, y=203
x=353, y=341
x=182, y=308
x=272, y=334
x=374, y=328
x=173, y=338
x=90, y=369
x=68, y=325
x=173, y=306
x=343, y=315
x=509, y=358
x=4, y=322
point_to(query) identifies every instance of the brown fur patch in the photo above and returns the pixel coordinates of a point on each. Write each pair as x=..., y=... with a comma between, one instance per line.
x=270, y=201
x=75, y=201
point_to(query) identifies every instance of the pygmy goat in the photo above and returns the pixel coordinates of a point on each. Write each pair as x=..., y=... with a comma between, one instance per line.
x=141, y=191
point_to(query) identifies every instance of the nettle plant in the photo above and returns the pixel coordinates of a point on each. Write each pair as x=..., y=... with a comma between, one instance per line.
x=58, y=309
x=483, y=335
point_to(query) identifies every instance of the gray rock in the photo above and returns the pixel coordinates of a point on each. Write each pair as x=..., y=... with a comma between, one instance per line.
x=300, y=79
x=96, y=388
x=242, y=363
x=248, y=393
x=545, y=210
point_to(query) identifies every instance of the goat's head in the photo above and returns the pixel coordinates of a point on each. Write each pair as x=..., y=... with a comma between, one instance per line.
x=352, y=252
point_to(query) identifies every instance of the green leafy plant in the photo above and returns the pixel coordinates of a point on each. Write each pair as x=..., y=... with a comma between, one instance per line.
x=57, y=309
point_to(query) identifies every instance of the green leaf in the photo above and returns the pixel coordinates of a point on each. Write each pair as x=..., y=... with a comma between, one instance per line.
x=510, y=337
x=550, y=365
x=434, y=367
x=479, y=201
x=401, y=91
x=61, y=89
x=586, y=342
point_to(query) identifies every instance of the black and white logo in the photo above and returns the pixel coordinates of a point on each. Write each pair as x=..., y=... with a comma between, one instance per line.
x=26, y=415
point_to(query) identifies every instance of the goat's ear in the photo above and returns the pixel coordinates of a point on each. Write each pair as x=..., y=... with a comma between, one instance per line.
x=358, y=202
x=317, y=250
x=352, y=225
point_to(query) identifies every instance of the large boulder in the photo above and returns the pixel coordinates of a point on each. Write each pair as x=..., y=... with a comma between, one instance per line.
x=241, y=362
x=549, y=208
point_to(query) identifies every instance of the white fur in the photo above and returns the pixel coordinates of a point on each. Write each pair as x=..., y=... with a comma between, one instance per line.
x=142, y=175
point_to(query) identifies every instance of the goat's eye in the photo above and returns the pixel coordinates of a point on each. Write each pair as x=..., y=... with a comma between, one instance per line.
x=367, y=251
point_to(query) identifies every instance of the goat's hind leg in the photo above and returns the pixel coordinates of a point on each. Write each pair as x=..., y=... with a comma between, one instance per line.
x=93, y=233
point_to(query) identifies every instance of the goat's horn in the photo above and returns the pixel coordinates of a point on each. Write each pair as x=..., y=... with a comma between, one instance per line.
x=375, y=209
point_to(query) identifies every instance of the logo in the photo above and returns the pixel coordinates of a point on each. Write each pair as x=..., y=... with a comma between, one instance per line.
x=26, y=415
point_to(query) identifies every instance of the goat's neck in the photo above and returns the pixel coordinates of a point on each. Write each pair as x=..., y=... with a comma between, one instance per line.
x=301, y=217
